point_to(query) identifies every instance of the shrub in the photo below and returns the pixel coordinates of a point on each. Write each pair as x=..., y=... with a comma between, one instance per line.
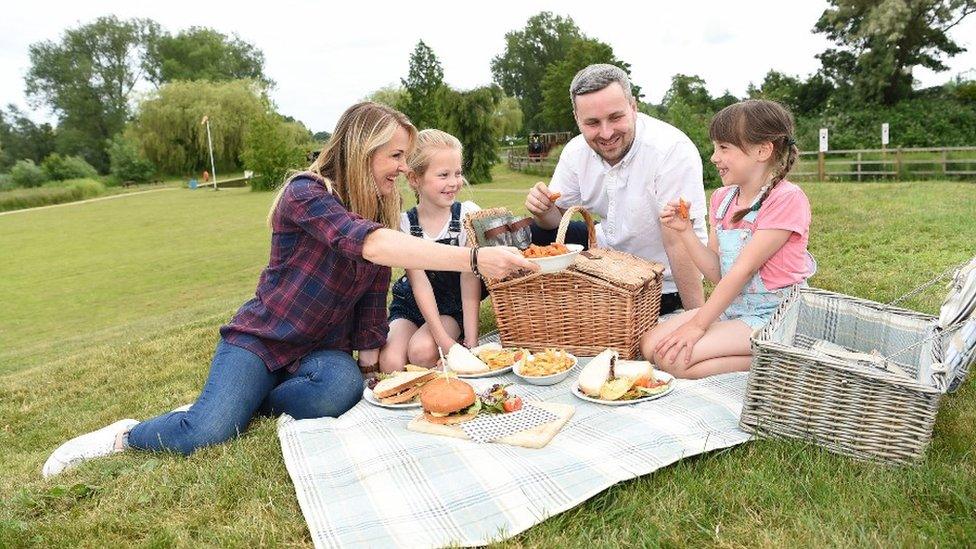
x=127, y=163
x=271, y=150
x=60, y=168
x=68, y=191
x=6, y=182
x=25, y=173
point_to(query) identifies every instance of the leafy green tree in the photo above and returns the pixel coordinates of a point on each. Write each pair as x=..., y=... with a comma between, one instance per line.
x=25, y=173
x=59, y=168
x=87, y=77
x=507, y=120
x=168, y=127
x=881, y=41
x=557, y=108
x=470, y=118
x=127, y=161
x=690, y=91
x=201, y=53
x=21, y=138
x=424, y=88
x=520, y=69
x=392, y=96
x=272, y=148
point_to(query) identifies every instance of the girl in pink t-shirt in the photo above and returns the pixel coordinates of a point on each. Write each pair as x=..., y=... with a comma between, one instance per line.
x=757, y=246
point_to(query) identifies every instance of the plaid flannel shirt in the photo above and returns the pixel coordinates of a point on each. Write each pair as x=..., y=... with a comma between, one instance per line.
x=317, y=291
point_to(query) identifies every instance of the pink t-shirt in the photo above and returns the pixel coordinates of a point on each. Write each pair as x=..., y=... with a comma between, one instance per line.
x=785, y=208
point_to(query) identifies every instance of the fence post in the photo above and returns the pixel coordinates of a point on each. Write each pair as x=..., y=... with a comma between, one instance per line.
x=945, y=163
x=898, y=164
x=858, y=167
x=820, y=166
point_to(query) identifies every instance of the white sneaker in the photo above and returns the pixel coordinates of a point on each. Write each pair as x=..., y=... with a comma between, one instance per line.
x=85, y=447
x=183, y=408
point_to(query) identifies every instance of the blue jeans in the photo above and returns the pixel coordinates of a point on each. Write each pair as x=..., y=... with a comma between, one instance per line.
x=327, y=383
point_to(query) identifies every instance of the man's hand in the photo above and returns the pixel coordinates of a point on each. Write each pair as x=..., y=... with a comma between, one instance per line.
x=541, y=205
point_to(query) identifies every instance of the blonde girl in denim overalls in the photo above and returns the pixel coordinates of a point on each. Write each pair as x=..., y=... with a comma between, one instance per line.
x=754, y=151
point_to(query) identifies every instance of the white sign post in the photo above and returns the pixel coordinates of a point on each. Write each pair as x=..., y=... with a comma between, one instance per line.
x=884, y=134
x=213, y=167
x=823, y=140
x=821, y=164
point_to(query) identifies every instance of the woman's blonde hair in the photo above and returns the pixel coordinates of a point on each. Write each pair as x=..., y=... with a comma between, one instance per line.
x=344, y=166
x=430, y=141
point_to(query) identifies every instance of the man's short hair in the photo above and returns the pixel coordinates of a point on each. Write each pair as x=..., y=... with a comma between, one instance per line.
x=596, y=77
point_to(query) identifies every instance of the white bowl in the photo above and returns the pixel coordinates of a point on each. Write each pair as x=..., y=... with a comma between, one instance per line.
x=544, y=380
x=558, y=263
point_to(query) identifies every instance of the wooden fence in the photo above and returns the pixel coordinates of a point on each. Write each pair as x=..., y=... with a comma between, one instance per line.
x=899, y=164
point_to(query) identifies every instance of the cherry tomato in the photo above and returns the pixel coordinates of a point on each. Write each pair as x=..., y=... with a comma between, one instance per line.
x=512, y=404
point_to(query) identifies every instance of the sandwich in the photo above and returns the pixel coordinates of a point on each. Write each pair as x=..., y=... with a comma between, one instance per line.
x=606, y=377
x=463, y=361
x=447, y=401
x=402, y=387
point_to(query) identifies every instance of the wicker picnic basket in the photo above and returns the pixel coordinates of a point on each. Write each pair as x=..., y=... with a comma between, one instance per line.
x=875, y=398
x=605, y=299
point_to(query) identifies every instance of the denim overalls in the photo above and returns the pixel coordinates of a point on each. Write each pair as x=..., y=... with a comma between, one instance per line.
x=446, y=284
x=756, y=303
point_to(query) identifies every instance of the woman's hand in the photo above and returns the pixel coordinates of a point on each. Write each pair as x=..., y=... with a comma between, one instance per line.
x=671, y=219
x=500, y=261
x=680, y=342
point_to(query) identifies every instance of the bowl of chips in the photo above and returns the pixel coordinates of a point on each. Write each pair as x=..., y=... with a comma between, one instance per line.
x=554, y=257
x=546, y=368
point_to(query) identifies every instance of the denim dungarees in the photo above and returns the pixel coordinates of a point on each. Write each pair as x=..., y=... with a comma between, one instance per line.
x=756, y=303
x=446, y=284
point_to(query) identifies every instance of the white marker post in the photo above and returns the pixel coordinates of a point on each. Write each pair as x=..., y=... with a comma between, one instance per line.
x=821, y=165
x=213, y=167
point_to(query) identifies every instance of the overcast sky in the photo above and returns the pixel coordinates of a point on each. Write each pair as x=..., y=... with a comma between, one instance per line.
x=324, y=56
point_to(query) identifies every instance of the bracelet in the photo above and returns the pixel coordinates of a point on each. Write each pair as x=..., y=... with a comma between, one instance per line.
x=370, y=368
x=474, y=262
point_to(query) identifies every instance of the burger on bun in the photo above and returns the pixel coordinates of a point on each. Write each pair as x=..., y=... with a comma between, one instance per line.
x=447, y=401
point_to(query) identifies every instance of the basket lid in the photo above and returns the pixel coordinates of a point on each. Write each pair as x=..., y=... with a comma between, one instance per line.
x=619, y=268
x=960, y=303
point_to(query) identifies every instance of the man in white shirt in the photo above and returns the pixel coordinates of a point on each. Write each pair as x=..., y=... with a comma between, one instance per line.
x=625, y=166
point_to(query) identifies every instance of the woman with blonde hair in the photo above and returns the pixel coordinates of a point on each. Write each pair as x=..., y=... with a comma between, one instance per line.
x=321, y=297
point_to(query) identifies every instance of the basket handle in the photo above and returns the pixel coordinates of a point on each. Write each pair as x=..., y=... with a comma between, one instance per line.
x=564, y=224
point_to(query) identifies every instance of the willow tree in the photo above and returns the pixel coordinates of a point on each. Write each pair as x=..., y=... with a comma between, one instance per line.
x=168, y=127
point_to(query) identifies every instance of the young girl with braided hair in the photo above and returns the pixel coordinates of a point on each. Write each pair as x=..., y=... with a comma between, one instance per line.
x=757, y=246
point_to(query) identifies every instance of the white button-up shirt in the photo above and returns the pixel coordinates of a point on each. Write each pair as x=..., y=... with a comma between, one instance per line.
x=662, y=165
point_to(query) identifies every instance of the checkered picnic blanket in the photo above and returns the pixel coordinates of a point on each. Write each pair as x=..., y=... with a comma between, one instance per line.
x=363, y=479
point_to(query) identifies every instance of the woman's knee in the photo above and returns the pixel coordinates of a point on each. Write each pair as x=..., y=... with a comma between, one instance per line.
x=329, y=389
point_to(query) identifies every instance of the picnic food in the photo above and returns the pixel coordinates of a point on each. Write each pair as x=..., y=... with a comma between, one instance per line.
x=554, y=196
x=535, y=251
x=495, y=357
x=402, y=387
x=463, y=361
x=447, y=401
x=684, y=208
x=497, y=400
x=608, y=378
x=547, y=363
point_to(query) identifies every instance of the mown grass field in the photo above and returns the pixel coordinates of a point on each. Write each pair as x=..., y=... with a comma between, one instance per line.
x=111, y=310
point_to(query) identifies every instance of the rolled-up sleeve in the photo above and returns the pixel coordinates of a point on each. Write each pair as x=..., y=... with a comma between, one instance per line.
x=310, y=206
x=370, y=323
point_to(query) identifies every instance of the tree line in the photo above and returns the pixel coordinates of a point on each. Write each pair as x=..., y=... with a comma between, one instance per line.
x=91, y=78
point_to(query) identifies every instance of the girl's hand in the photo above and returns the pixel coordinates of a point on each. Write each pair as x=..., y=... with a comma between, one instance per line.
x=500, y=261
x=680, y=342
x=444, y=342
x=671, y=219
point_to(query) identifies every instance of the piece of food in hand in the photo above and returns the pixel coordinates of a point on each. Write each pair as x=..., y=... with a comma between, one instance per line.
x=534, y=251
x=554, y=196
x=463, y=361
x=402, y=387
x=684, y=209
x=447, y=401
x=596, y=373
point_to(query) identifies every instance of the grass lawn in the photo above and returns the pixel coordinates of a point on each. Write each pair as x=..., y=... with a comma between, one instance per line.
x=111, y=310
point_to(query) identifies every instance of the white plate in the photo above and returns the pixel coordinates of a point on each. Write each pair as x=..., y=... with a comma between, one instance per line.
x=557, y=263
x=369, y=397
x=658, y=374
x=489, y=373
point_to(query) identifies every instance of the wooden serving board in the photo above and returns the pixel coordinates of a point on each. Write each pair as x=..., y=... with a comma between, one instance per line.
x=536, y=437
